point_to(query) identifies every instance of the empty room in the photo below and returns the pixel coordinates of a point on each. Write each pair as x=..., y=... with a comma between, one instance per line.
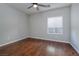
x=39, y=29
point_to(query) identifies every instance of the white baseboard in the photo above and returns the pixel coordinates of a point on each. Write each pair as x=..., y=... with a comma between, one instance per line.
x=11, y=42
x=74, y=48
x=50, y=39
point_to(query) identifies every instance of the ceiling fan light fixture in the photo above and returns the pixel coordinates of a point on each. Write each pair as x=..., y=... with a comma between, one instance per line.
x=35, y=6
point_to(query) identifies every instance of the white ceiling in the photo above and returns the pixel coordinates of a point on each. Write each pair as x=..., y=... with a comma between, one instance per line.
x=23, y=7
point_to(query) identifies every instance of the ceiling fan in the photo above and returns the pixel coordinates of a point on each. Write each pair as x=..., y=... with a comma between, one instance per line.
x=36, y=5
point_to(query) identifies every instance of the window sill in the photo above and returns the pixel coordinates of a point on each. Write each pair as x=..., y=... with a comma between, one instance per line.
x=56, y=33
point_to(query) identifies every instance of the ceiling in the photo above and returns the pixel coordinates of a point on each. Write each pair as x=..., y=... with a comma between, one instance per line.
x=23, y=7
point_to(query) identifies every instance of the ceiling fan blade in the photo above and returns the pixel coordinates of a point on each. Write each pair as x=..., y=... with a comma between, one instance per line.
x=29, y=7
x=37, y=8
x=43, y=5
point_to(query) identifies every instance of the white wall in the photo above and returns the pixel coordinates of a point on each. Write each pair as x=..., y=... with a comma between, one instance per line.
x=38, y=24
x=75, y=26
x=13, y=24
x=16, y=25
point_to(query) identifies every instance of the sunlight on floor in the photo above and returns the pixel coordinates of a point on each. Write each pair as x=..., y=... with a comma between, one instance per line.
x=51, y=49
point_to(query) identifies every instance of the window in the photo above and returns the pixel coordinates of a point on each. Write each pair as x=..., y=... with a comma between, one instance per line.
x=55, y=25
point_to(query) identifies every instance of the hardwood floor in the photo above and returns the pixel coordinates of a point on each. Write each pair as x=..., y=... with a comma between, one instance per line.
x=36, y=47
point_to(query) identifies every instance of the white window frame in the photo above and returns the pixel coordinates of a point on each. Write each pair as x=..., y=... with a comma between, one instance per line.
x=47, y=25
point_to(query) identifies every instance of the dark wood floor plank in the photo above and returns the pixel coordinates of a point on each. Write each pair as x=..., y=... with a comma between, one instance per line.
x=37, y=47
